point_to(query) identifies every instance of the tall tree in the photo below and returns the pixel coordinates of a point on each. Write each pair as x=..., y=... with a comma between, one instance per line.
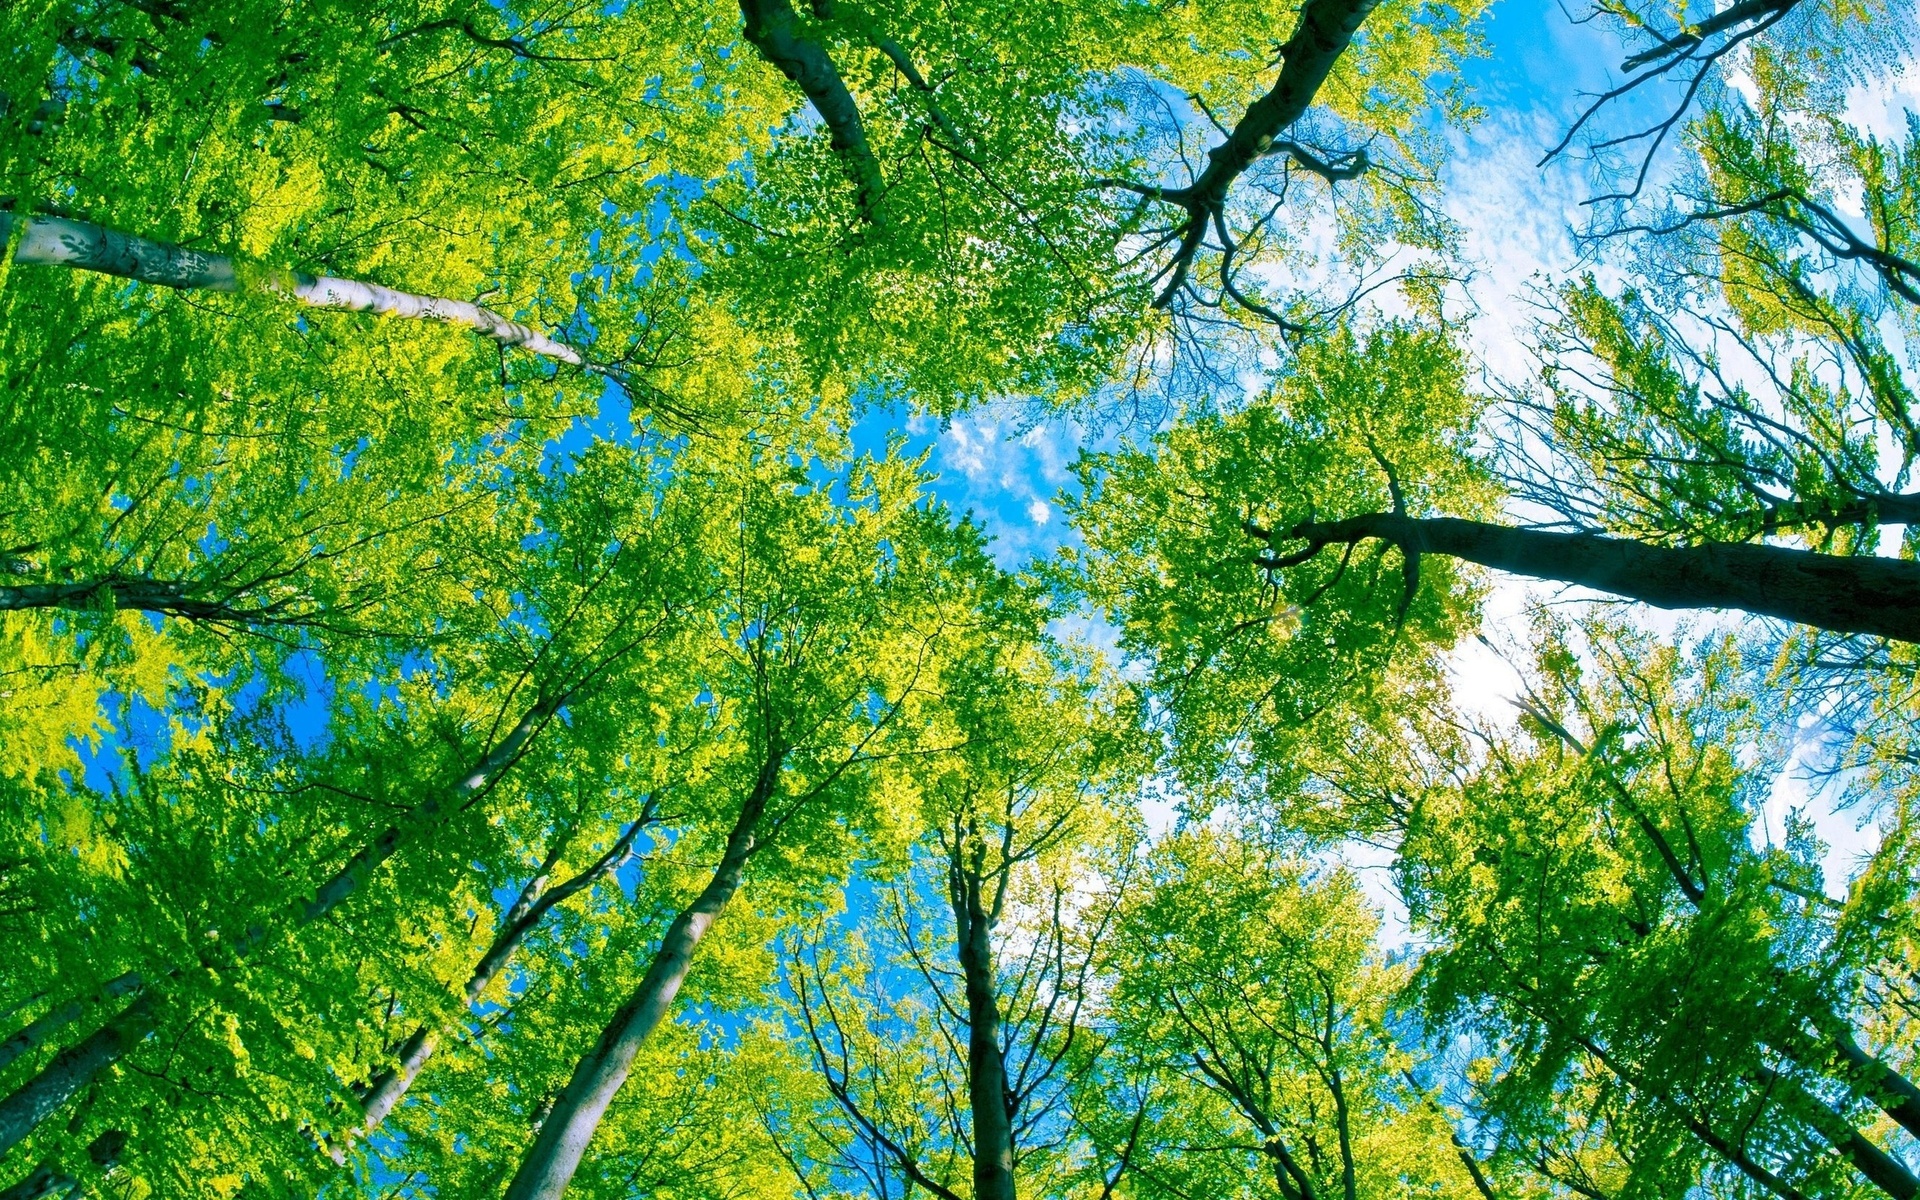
x=946, y=1034
x=818, y=647
x=1641, y=962
x=1278, y=1070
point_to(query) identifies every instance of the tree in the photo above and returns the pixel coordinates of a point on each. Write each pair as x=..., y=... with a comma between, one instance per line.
x=1247, y=656
x=1271, y=1043
x=376, y=807
x=1008, y=167
x=817, y=648
x=945, y=1037
x=1607, y=926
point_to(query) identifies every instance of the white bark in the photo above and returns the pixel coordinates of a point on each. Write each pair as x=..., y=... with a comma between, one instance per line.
x=61, y=242
x=35, y=1035
x=566, y=1130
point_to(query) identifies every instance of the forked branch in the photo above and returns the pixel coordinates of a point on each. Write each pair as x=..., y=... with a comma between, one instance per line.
x=773, y=27
x=1326, y=29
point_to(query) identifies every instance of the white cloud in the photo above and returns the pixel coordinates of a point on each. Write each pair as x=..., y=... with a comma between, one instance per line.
x=1881, y=107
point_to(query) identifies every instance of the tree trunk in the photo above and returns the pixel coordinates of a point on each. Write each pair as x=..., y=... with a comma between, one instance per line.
x=987, y=1093
x=428, y=812
x=35, y=1034
x=771, y=26
x=1858, y=594
x=1325, y=30
x=168, y=597
x=1879, y=1168
x=62, y=242
x=556, y=1152
x=527, y=911
x=1893, y=1092
x=390, y=1085
x=73, y=1068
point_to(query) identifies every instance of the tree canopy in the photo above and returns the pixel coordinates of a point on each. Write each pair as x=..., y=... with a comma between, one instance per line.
x=517, y=677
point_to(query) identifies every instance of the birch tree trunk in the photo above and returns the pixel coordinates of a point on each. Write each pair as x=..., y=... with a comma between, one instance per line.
x=1848, y=594
x=37, y=1032
x=63, y=242
x=72, y=1069
x=555, y=1155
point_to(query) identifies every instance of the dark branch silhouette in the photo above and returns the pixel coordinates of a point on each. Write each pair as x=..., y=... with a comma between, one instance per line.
x=1860, y=594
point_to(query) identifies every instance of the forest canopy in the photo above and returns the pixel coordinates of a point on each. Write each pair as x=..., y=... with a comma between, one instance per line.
x=1089, y=600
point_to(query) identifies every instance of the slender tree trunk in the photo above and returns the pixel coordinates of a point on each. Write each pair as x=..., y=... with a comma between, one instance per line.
x=1878, y=1167
x=1325, y=31
x=1893, y=1092
x=1292, y=1181
x=71, y=1070
x=36, y=1033
x=555, y=1155
x=1732, y=1152
x=429, y=812
x=63, y=242
x=987, y=1093
x=75, y=1067
x=1460, y=1147
x=1849, y=594
x=168, y=597
x=532, y=905
x=1343, y=1121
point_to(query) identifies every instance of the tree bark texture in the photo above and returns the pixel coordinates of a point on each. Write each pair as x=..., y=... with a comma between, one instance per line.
x=63, y=242
x=772, y=27
x=987, y=1093
x=1847, y=594
x=72, y=1069
x=556, y=1152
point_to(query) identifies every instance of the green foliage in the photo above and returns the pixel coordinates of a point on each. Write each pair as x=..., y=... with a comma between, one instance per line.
x=334, y=645
x=1248, y=656
x=1250, y=988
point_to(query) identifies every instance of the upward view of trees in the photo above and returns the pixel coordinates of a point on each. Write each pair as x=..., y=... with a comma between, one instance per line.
x=497, y=698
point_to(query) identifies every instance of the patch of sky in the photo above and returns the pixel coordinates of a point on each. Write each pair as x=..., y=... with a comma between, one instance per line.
x=612, y=421
x=1007, y=473
x=351, y=455
x=374, y=1174
x=211, y=542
